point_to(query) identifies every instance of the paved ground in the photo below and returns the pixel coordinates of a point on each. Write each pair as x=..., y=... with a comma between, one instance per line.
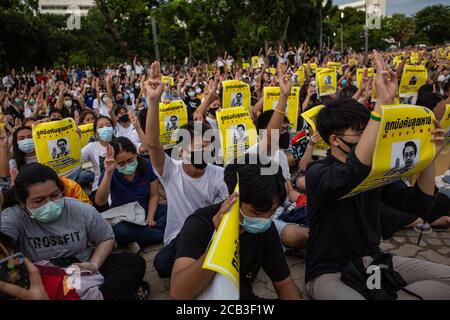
x=434, y=246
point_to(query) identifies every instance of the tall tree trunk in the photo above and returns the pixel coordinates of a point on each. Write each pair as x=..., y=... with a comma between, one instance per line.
x=103, y=7
x=286, y=26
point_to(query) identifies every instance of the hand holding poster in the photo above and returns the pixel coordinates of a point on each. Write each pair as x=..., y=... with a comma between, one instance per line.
x=360, y=74
x=299, y=77
x=167, y=79
x=58, y=146
x=403, y=147
x=337, y=66
x=236, y=94
x=270, y=102
x=413, y=78
x=327, y=81
x=87, y=134
x=223, y=257
x=255, y=62
x=445, y=124
x=172, y=116
x=312, y=68
x=237, y=132
x=321, y=147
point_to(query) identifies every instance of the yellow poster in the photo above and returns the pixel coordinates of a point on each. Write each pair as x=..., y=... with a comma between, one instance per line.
x=352, y=62
x=299, y=77
x=270, y=102
x=245, y=65
x=396, y=61
x=167, y=79
x=87, y=134
x=327, y=81
x=445, y=124
x=412, y=79
x=237, y=132
x=414, y=57
x=335, y=65
x=223, y=254
x=321, y=147
x=273, y=71
x=360, y=74
x=403, y=147
x=235, y=94
x=172, y=116
x=255, y=62
x=58, y=146
x=312, y=68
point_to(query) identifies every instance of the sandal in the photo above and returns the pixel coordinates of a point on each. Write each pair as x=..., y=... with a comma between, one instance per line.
x=143, y=291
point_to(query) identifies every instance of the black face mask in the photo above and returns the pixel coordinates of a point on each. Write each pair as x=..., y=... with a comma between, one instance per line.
x=213, y=112
x=201, y=165
x=120, y=101
x=124, y=118
x=348, y=144
x=284, y=140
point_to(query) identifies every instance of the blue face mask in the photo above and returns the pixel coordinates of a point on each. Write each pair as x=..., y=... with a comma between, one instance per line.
x=129, y=168
x=344, y=83
x=26, y=145
x=105, y=133
x=255, y=225
x=49, y=212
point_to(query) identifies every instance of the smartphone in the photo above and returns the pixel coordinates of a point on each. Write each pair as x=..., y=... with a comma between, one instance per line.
x=64, y=262
x=14, y=270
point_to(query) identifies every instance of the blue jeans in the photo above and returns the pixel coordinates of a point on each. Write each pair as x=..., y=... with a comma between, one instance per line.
x=83, y=177
x=127, y=232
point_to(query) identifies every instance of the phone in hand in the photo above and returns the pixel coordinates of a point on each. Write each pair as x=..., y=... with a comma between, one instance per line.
x=14, y=270
x=64, y=262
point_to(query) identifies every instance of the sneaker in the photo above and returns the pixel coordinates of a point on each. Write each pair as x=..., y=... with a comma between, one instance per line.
x=134, y=247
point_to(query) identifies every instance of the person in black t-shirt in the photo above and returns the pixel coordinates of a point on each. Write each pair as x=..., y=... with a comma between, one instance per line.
x=260, y=245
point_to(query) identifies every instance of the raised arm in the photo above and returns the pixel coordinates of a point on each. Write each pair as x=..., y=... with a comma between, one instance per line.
x=386, y=85
x=154, y=89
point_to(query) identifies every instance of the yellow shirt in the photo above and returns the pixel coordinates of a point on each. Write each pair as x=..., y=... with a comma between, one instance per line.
x=74, y=190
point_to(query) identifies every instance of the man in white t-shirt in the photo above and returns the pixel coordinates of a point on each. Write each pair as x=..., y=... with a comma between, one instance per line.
x=190, y=183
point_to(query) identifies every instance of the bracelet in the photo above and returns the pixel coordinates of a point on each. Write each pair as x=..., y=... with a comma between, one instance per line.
x=375, y=116
x=280, y=112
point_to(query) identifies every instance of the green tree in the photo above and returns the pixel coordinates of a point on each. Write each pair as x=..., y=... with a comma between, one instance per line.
x=434, y=22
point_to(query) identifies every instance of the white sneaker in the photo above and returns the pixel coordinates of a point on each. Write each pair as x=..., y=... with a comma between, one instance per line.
x=134, y=247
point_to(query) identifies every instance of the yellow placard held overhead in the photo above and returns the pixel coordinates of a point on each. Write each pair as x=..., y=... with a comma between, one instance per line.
x=412, y=79
x=57, y=146
x=396, y=61
x=172, y=116
x=272, y=71
x=312, y=68
x=403, y=147
x=237, y=132
x=299, y=77
x=360, y=74
x=167, y=79
x=414, y=57
x=352, y=62
x=327, y=81
x=255, y=62
x=87, y=134
x=270, y=102
x=245, y=65
x=335, y=65
x=321, y=147
x=223, y=255
x=235, y=93
x=445, y=124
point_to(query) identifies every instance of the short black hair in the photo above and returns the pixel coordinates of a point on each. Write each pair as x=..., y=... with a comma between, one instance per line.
x=193, y=130
x=429, y=100
x=256, y=189
x=55, y=111
x=263, y=120
x=32, y=174
x=64, y=140
x=340, y=115
x=348, y=91
x=172, y=117
x=240, y=126
x=117, y=110
x=410, y=144
x=123, y=144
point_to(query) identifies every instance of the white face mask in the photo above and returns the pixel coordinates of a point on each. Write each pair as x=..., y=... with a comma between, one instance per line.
x=68, y=103
x=441, y=78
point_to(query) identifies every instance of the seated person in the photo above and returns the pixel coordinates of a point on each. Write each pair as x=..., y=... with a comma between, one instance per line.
x=45, y=225
x=260, y=245
x=128, y=177
x=345, y=233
